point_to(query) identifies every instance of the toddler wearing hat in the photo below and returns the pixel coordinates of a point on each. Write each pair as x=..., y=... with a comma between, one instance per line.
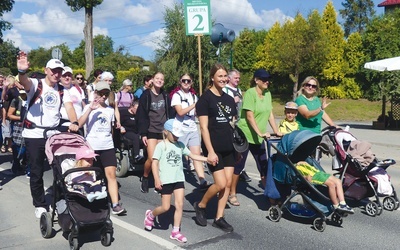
x=289, y=124
x=83, y=182
x=169, y=178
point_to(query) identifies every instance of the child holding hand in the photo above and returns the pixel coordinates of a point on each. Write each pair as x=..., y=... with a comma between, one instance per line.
x=167, y=168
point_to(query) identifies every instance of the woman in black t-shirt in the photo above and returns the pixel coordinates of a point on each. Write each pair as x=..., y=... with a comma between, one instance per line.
x=215, y=110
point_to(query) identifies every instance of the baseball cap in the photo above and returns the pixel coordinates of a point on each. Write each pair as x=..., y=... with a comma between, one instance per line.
x=67, y=70
x=291, y=105
x=174, y=127
x=22, y=91
x=85, y=153
x=261, y=73
x=106, y=75
x=102, y=85
x=54, y=63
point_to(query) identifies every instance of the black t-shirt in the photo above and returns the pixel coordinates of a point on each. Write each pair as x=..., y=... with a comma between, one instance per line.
x=220, y=131
x=128, y=120
x=10, y=95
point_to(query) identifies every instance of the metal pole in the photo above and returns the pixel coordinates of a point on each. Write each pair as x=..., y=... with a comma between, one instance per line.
x=199, y=55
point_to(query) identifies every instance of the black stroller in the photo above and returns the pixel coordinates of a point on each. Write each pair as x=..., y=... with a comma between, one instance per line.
x=73, y=210
x=361, y=180
x=304, y=199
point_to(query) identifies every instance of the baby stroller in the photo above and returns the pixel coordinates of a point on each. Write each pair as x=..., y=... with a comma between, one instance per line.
x=73, y=210
x=362, y=174
x=305, y=200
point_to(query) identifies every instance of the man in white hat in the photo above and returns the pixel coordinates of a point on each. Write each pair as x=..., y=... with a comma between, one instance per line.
x=43, y=112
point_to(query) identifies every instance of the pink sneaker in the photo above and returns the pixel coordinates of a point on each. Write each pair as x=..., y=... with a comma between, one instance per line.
x=148, y=222
x=178, y=236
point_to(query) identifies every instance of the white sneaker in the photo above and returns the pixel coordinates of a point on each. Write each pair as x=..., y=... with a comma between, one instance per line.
x=39, y=211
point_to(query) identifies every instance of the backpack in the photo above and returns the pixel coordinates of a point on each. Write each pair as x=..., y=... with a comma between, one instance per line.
x=35, y=97
x=120, y=96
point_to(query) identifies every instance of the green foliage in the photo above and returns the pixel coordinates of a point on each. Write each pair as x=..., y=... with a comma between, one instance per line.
x=380, y=41
x=5, y=6
x=333, y=92
x=77, y=5
x=351, y=89
x=335, y=64
x=353, y=54
x=103, y=46
x=7, y=54
x=357, y=14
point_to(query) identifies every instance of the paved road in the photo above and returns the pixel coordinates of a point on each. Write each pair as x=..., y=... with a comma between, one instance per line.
x=20, y=229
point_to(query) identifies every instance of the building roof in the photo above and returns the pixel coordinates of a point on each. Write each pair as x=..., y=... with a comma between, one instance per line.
x=389, y=3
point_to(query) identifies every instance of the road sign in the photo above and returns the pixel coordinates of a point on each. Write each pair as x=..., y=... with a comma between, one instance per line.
x=56, y=53
x=197, y=17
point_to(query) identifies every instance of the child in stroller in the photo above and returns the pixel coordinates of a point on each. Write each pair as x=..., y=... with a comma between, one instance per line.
x=362, y=174
x=297, y=195
x=334, y=185
x=83, y=183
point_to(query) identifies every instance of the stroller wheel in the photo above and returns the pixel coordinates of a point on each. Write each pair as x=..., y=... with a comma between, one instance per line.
x=46, y=227
x=122, y=163
x=274, y=213
x=337, y=219
x=106, y=239
x=73, y=242
x=389, y=203
x=319, y=224
x=372, y=209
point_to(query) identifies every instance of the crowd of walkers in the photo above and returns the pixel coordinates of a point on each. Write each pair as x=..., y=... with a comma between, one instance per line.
x=165, y=124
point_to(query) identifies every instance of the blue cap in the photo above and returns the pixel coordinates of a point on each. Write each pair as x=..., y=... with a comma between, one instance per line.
x=261, y=73
x=174, y=127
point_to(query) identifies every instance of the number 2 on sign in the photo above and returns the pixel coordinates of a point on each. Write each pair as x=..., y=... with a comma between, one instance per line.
x=197, y=28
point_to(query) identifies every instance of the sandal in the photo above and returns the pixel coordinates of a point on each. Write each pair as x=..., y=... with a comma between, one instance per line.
x=3, y=149
x=232, y=199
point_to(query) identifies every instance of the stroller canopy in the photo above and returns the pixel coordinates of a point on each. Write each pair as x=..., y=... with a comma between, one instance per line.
x=299, y=144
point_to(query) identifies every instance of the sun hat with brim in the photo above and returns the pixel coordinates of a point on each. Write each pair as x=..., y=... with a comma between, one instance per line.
x=85, y=153
x=240, y=142
x=174, y=127
x=54, y=63
x=291, y=105
x=102, y=85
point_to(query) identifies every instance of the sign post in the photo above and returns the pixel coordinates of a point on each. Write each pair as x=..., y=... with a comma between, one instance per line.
x=198, y=23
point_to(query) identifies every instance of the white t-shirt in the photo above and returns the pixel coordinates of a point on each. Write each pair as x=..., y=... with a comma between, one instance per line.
x=98, y=128
x=45, y=112
x=76, y=98
x=185, y=100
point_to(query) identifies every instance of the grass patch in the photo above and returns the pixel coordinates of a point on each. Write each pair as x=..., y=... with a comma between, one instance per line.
x=344, y=109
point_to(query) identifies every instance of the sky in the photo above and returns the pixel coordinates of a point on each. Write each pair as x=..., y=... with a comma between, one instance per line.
x=138, y=24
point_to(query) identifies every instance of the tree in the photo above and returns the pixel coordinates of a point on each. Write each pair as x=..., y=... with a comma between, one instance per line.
x=88, y=5
x=7, y=55
x=5, y=6
x=103, y=46
x=244, y=53
x=357, y=14
x=334, y=67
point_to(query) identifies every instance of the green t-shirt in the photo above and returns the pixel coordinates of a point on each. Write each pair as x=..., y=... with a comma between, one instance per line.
x=262, y=108
x=314, y=123
x=170, y=161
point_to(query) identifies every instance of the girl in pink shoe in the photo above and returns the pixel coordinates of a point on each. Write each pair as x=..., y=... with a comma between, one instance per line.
x=169, y=178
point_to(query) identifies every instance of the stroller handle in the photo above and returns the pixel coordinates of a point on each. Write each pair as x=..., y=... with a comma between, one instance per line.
x=56, y=130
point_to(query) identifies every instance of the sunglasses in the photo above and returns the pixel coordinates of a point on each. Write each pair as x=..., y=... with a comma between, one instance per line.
x=313, y=86
x=79, y=78
x=264, y=79
x=105, y=93
x=188, y=81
